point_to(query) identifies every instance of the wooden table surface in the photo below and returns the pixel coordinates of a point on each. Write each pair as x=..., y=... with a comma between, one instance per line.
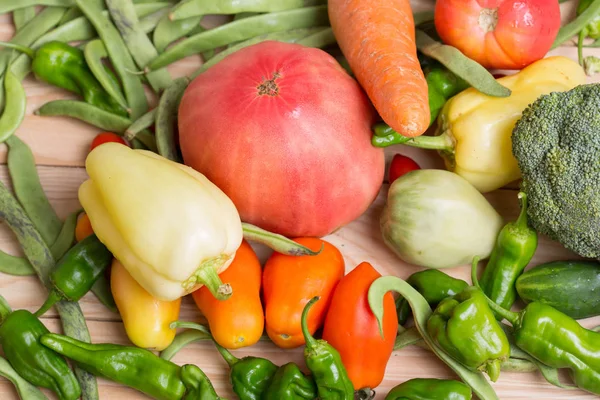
x=60, y=146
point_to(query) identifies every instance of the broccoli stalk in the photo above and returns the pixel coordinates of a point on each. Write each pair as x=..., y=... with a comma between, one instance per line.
x=591, y=65
x=557, y=145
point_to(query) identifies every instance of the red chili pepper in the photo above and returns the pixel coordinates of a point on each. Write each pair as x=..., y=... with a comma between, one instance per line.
x=401, y=165
x=106, y=137
x=352, y=329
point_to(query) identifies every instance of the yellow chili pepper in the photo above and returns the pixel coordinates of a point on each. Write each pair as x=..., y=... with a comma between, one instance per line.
x=146, y=319
x=481, y=126
x=171, y=228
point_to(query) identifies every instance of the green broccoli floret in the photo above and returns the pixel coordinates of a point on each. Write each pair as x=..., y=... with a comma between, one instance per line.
x=557, y=145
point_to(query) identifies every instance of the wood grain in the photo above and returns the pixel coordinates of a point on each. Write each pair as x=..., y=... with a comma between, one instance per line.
x=60, y=146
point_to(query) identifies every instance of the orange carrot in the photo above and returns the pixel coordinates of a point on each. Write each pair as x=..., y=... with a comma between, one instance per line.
x=377, y=38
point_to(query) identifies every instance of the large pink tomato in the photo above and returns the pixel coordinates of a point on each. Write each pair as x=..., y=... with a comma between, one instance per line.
x=285, y=132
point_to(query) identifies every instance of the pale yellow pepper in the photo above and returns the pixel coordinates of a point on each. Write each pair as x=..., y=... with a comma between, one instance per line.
x=146, y=319
x=482, y=125
x=474, y=130
x=170, y=227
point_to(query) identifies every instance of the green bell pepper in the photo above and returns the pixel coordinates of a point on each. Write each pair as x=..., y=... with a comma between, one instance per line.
x=430, y=389
x=465, y=327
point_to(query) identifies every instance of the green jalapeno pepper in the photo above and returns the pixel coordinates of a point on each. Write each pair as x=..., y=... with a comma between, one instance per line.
x=249, y=376
x=465, y=327
x=63, y=65
x=430, y=389
x=325, y=363
x=136, y=368
x=77, y=271
x=555, y=339
x=20, y=333
x=434, y=285
x=289, y=383
x=515, y=247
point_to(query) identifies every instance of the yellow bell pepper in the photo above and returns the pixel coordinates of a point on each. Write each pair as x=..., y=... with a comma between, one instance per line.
x=145, y=318
x=481, y=126
x=170, y=227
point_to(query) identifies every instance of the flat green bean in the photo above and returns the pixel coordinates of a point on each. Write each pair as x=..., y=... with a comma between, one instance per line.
x=29, y=191
x=239, y=16
x=14, y=111
x=119, y=56
x=140, y=47
x=422, y=17
x=22, y=16
x=291, y=36
x=70, y=15
x=40, y=257
x=8, y=6
x=166, y=119
x=143, y=122
x=101, y=290
x=136, y=144
x=320, y=39
x=241, y=30
x=168, y=31
x=94, y=51
x=14, y=265
x=94, y=116
x=150, y=22
x=469, y=70
x=193, y=8
x=26, y=390
x=577, y=25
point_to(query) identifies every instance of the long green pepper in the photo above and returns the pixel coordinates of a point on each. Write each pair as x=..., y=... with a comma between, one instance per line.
x=136, y=368
x=289, y=383
x=325, y=363
x=514, y=249
x=20, y=333
x=555, y=339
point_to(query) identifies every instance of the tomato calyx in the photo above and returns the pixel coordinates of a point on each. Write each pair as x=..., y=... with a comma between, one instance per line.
x=488, y=19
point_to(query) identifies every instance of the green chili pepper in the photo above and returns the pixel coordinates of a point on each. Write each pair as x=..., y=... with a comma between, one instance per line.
x=434, y=285
x=64, y=66
x=430, y=389
x=25, y=390
x=289, y=383
x=465, y=327
x=515, y=246
x=441, y=85
x=249, y=376
x=325, y=363
x=134, y=367
x=20, y=333
x=554, y=339
x=77, y=271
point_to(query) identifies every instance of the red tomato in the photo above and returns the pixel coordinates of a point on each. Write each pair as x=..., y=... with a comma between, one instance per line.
x=401, y=165
x=106, y=137
x=501, y=34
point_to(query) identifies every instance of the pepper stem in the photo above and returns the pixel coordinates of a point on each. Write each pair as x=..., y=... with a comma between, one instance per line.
x=208, y=276
x=493, y=369
x=510, y=316
x=53, y=298
x=308, y=338
x=5, y=309
x=277, y=242
x=23, y=49
x=229, y=358
x=385, y=136
x=522, y=220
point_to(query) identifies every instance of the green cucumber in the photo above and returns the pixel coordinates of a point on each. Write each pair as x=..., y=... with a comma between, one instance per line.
x=572, y=287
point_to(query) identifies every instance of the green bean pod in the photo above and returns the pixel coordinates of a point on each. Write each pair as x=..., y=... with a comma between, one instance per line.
x=193, y=8
x=26, y=390
x=168, y=31
x=9, y=6
x=22, y=16
x=166, y=119
x=140, y=124
x=139, y=45
x=320, y=39
x=462, y=66
x=14, y=111
x=94, y=51
x=241, y=30
x=93, y=116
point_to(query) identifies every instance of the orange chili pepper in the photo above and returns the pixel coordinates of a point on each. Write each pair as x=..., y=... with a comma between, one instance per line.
x=83, y=228
x=289, y=282
x=352, y=329
x=146, y=319
x=238, y=321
